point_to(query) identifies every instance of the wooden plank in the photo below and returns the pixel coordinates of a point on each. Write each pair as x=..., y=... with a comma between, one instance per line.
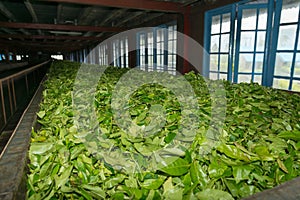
x=50, y=37
x=162, y=6
x=60, y=27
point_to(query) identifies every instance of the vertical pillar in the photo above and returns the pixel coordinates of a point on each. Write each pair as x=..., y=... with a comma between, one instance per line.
x=6, y=53
x=14, y=56
x=96, y=52
x=132, y=54
x=110, y=54
x=187, y=32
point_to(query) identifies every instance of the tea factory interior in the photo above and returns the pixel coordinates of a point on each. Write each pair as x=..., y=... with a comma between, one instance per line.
x=150, y=99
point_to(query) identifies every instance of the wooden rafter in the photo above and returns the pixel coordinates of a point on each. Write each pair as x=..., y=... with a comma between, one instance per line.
x=10, y=16
x=60, y=27
x=50, y=37
x=162, y=6
x=32, y=13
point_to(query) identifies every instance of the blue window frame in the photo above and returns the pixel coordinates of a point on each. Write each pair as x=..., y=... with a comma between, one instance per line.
x=286, y=52
x=245, y=45
x=155, y=49
x=217, y=43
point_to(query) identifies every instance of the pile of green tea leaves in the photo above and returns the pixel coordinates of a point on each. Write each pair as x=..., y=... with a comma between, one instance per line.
x=257, y=146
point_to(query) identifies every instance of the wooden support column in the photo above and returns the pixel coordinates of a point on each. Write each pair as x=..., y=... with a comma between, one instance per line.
x=6, y=53
x=132, y=51
x=14, y=56
x=96, y=51
x=110, y=56
x=187, y=32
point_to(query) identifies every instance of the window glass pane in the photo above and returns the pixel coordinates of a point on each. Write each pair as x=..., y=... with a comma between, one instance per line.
x=296, y=86
x=259, y=59
x=213, y=62
x=262, y=18
x=287, y=36
x=297, y=66
x=261, y=38
x=171, y=60
x=150, y=60
x=215, y=25
x=290, y=11
x=283, y=64
x=214, y=43
x=281, y=83
x=226, y=22
x=171, y=45
x=225, y=43
x=298, y=41
x=170, y=33
x=249, y=19
x=247, y=41
x=223, y=63
x=223, y=76
x=213, y=76
x=244, y=78
x=245, y=62
x=257, y=79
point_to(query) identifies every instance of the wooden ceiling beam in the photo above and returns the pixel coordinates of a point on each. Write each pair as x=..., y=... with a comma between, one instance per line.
x=162, y=6
x=30, y=9
x=112, y=15
x=43, y=44
x=50, y=37
x=36, y=47
x=10, y=16
x=60, y=27
x=6, y=12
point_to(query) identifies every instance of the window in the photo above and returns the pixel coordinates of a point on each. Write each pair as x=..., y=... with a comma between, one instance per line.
x=57, y=57
x=219, y=49
x=103, y=56
x=246, y=45
x=157, y=49
x=250, y=50
x=120, y=52
x=172, y=48
x=124, y=52
x=116, y=53
x=286, y=58
x=142, y=51
x=160, y=49
x=150, y=48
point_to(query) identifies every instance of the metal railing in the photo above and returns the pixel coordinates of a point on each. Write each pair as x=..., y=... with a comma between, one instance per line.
x=16, y=89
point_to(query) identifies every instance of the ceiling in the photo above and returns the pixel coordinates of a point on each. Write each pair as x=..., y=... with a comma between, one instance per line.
x=67, y=25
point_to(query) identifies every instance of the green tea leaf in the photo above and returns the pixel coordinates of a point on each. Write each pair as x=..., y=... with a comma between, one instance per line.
x=213, y=194
x=175, y=166
x=292, y=135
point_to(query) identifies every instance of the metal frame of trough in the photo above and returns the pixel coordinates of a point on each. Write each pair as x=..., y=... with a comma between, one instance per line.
x=12, y=96
x=13, y=159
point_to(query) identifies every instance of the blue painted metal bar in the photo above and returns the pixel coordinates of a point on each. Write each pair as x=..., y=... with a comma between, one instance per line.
x=294, y=53
x=237, y=48
x=255, y=46
x=273, y=46
x=207, y=35
x=288, y=51
x=138, y=52
x=166, y=41
x=219, y=50
x=286, y=77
